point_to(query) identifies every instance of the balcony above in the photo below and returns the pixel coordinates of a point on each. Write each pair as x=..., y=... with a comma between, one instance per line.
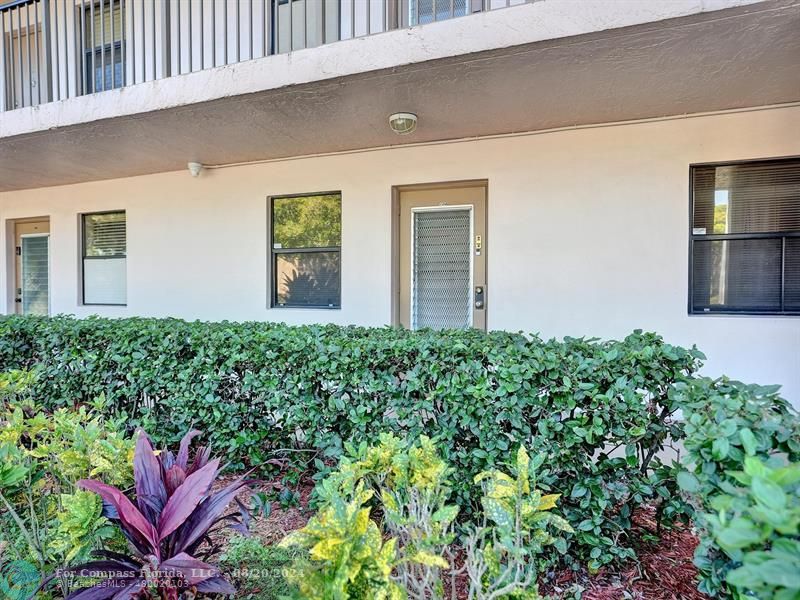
x=143, y=86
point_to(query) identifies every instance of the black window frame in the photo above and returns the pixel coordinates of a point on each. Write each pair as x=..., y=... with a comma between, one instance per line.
x=782, y=235
x=272, y=271
x=84, y=257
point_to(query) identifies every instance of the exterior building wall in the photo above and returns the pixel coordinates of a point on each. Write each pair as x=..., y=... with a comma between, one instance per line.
x=587, y=234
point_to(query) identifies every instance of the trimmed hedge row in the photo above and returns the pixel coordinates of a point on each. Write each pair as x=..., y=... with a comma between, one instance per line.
x=257, y=387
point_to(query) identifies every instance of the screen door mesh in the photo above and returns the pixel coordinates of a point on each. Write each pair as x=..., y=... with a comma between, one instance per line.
x=440, y=295
x=35, y=275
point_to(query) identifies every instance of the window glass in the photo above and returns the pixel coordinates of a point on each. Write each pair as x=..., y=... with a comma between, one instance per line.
x=747, y=198
x=104, y=30
x=738, y=274
x=104, y=234
x=306, y=240
x=105, y=258
x=428, y=11
x=307, y=221
x=307, y=279
x=103, y=46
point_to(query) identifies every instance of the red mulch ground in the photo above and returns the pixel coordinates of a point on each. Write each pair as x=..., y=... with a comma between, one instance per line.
x=664, y=570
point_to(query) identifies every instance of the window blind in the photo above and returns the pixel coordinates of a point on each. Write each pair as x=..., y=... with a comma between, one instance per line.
x=105, y=234
x=747, y=198
x=102, y=25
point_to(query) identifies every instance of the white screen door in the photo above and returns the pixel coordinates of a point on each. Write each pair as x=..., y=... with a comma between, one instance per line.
x=35, y=274
x=441, y=281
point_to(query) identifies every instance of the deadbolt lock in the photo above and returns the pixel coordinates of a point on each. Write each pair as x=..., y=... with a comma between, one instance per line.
x=479, y=297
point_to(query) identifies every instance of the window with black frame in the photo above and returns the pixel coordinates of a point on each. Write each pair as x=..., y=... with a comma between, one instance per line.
x=306, y=244
x=105, y=259
x=745, y=238
x=103, y=53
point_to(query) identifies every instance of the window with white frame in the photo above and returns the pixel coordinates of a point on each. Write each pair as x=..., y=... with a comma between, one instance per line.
x=104, y=243
x=745, y=238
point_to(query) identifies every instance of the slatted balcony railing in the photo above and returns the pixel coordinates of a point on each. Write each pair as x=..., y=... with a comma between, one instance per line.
x=56, y=49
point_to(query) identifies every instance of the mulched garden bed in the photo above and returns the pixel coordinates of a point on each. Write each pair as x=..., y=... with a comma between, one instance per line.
x=664, y=571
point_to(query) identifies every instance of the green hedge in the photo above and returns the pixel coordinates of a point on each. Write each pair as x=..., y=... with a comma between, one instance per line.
x=257, y=387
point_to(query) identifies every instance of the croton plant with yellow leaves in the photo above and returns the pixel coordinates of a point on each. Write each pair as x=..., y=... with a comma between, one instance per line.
x=410, y=551
x=49, y=523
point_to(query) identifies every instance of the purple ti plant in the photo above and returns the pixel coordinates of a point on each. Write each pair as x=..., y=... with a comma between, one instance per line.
x=168, y=527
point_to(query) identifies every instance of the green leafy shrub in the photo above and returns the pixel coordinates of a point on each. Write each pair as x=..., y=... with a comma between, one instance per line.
x=729, y=425
x=14, y=386
x=411, y=481
x=348, y=558
x=257, y=570
x=501, y=554
x=44, y=519
x=18, y=579
x=259, y=386
x=408, y=480
x=757, y=525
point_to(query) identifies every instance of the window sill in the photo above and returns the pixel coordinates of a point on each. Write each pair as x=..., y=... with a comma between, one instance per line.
x=721, y=313
x=303, y=307
x=98, y=304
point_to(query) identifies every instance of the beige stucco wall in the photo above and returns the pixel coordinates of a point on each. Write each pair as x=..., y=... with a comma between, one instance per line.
x=587, y=234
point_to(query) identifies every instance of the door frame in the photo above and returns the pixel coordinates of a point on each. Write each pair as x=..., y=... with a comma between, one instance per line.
x=22, y=236
x=11, y=259
x=396, y=234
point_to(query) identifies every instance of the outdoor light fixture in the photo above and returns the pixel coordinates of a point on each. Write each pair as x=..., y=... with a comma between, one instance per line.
x=195, y=168
x=403, y=123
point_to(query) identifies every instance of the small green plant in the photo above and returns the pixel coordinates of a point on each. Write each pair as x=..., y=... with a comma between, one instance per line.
x=81, y=526
x=727, y=424
x=288, y=498
x=260, y=505
x=757, y=524
x=411, y=483
x=257, y=570
x=18, y=579
x=408, y=480
x=14, y=386
x=501, y=554
x=347, y=557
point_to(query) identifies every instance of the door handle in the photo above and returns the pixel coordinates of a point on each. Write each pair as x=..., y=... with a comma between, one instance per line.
x=480, y=294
